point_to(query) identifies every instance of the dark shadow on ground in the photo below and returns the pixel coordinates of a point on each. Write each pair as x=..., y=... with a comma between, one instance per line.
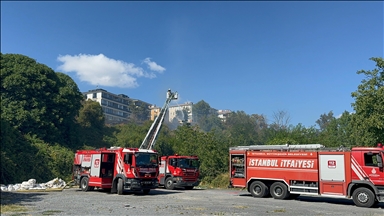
x=314, y=199
x=340, y=201
x=9, y=197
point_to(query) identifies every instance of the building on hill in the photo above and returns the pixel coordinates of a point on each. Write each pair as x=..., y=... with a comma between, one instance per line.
x=181, y=113
x=223, y=114
x=119, y=108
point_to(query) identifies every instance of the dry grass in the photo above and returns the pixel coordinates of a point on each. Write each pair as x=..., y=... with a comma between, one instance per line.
x=13, y=208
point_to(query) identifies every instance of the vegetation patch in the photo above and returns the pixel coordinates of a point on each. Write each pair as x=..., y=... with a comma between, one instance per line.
x=279, y=210
x=240, y=207
x=195, y=208
x=51, y=212
x=13, y=208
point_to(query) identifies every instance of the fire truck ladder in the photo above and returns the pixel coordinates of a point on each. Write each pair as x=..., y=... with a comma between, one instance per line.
x=280, y=147
x=150, y=139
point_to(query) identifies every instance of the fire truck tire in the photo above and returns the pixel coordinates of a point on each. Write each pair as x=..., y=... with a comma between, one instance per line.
x=363, y=197
x=120, y=188
x=146, y=191
x=279, y=191
x=169, y=183
x=84, y=184
x=259, y=189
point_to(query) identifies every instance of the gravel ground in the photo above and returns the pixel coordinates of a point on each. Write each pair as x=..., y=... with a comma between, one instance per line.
x=178, y=202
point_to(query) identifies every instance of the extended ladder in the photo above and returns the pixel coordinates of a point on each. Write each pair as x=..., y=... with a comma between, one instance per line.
x=150, y=139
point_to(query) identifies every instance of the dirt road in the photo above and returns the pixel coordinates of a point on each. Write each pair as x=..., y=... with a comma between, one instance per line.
x=179, y=202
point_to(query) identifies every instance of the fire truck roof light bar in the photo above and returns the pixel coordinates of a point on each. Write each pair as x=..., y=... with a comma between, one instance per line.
x=278, y=147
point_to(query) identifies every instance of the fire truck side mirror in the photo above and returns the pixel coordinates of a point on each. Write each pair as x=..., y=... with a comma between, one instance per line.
x=379, y=161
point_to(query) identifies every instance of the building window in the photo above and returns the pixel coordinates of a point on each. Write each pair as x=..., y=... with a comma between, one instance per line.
x=94, y=95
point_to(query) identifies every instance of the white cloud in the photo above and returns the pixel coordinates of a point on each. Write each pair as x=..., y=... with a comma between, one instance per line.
x=153, y=65
x=104, y=71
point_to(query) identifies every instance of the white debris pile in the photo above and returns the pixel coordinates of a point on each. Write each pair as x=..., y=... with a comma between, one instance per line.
x=31, y=185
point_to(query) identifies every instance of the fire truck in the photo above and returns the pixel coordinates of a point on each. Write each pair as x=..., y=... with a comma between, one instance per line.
x=116, y=168
x=288, y=171
x=175, y=170
x=179, y=171
x=121, y=169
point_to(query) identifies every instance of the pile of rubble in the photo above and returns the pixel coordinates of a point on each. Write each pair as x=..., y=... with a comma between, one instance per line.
x=31, y=185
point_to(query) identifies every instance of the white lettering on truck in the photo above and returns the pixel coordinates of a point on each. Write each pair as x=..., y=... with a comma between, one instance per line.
x=305, y=164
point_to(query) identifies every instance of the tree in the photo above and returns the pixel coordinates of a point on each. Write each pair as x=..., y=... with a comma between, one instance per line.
x=241, y=129
x=338, y=131
x=68, y=104
x=281, y=120
x=17, y=155
x=324, y=120
x=206, y=117
x=139, y=112
x=91, y=120
x=36, y=100
x=368, y=120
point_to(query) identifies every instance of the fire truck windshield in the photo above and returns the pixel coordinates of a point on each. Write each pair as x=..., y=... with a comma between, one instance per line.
x=146, y=160
x=188, y=163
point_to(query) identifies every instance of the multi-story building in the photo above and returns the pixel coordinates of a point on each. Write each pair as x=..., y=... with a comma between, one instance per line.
x=154, y=112
x=223, y=114
x=117, y=108
x=181, y=112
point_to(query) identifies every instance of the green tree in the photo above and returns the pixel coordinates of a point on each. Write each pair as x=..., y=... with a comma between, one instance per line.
x=68, y=104
x=211, y=149
x=36, y=100
x=28, y=90
x=206, y=117
x=241, y=129
x=324, y=120
x=17, y=156
x=368, y=120
x=338, y=131
x=91, y=122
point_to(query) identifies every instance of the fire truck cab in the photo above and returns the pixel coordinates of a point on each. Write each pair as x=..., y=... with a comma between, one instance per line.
x=288, y=171
x=179, y=171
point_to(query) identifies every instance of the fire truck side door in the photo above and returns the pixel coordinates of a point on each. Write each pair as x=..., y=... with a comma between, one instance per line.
x=371, y=167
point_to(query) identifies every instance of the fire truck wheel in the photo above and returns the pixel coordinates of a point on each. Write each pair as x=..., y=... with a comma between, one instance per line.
x=120, y=188
x=363, y=197
x=146, y=191
x=84, y=184
x=258, y=189
x=279, y=191
x=169, y=183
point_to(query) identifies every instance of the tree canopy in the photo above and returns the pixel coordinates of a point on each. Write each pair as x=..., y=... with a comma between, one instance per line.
x=368, y=120
x=37, y=100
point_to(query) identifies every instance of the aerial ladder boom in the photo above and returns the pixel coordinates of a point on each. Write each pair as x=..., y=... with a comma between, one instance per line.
x=150, y=139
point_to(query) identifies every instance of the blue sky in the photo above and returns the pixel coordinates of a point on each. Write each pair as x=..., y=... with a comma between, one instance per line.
x=258, y=57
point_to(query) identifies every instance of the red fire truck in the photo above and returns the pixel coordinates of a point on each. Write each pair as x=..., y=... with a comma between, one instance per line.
x=287, y=171
x=179, y=171
x=116, y=168
x=175, y=170
x=121, y=169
